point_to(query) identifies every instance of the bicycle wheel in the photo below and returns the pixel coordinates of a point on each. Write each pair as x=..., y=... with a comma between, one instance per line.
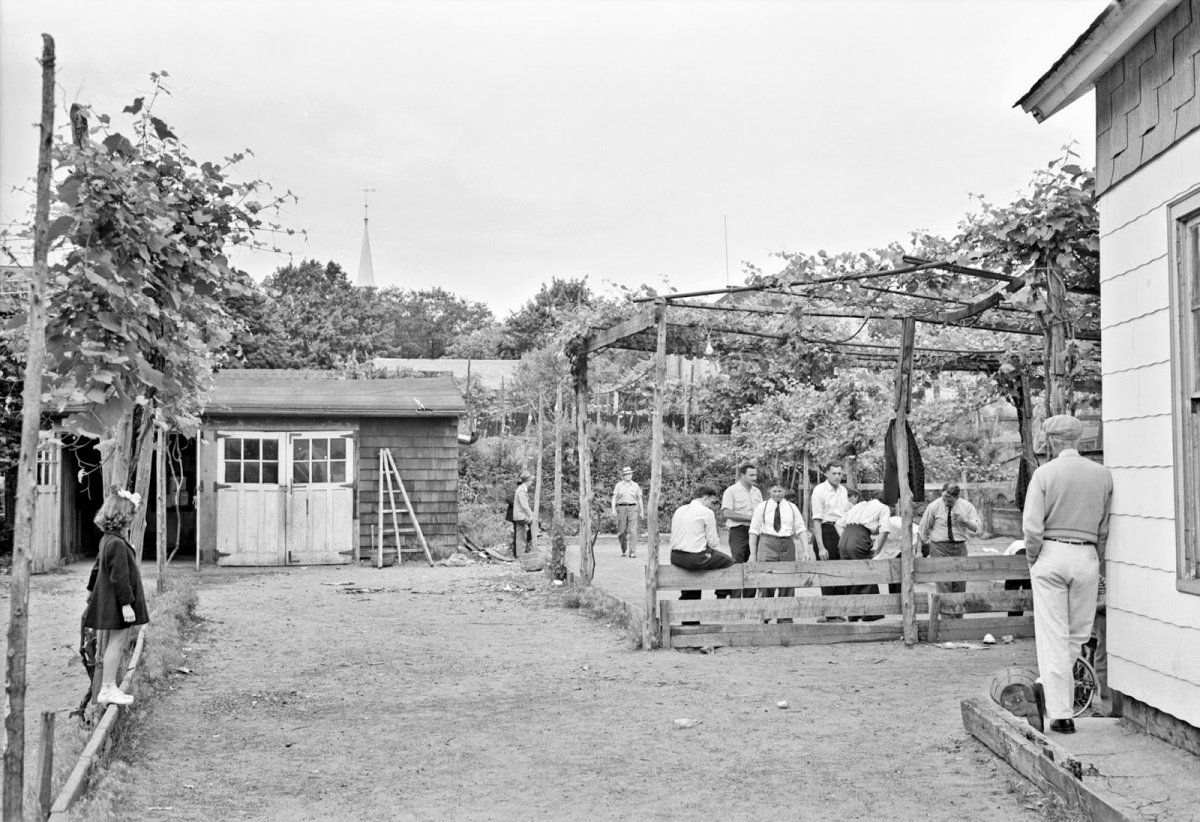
x=1085, y=685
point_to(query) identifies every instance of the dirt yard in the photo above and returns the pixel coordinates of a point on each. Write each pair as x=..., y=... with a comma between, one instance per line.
x=471, y=693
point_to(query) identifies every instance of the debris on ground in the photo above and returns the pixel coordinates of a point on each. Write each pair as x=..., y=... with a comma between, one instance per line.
x=988, y=639
x=1007, y=639
x=686, y=723
x=456, y=561
x=962, y=646
x=783, y=703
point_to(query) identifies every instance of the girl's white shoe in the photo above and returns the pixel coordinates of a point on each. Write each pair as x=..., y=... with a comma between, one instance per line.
x=112, y=694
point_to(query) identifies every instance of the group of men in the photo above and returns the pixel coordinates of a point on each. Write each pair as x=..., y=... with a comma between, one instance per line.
x=774, y=530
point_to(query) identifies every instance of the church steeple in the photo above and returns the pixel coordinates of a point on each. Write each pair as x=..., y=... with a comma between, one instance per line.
x=366, y=272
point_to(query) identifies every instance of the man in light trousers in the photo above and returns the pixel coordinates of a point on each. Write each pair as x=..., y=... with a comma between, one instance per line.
x=1066, y=526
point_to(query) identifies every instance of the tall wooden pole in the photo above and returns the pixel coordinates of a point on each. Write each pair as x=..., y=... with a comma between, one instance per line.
x=650, y=637
x=18, y=605
x=537, y=485
x=587, y=560
x=908, y=596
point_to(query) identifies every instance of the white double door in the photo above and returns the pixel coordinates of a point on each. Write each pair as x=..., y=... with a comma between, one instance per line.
x=285, y=498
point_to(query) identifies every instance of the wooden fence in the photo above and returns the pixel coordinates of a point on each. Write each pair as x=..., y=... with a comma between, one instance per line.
x=741, y=621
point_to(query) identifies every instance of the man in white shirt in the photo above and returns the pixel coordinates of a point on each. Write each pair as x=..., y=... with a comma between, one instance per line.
x=944, y=528
x=694, y=539
x=774, y=529
x=829, y=502
x=627, y=508
x=863, y=530
x=737, y=507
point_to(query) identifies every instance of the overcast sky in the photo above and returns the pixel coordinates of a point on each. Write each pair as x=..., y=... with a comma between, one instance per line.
x=512, y=142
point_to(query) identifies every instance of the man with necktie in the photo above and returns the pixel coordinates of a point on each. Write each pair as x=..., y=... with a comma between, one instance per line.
x=774, y=528
x=944, y=528
x=627, y=508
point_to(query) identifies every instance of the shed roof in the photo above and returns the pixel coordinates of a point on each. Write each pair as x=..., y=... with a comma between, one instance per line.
x=307, y=393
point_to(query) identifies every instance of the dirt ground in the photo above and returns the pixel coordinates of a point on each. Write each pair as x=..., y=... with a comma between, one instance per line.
x=471, y=693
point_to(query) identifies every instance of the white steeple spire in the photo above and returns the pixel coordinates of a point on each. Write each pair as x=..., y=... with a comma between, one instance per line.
x=366, y=272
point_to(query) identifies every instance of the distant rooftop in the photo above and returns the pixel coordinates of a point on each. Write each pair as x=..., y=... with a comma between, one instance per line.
x=488, y=372
x=304, y=393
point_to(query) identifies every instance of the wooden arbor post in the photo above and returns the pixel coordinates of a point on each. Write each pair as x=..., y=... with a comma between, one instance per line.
x=650, y=627
x=587, y=560
x=18, y=604
x=908, y=598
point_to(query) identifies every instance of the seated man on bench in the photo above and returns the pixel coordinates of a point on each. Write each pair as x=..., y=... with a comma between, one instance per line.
x=694, y=540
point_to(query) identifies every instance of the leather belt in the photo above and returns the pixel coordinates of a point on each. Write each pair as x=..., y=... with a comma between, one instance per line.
x=1068, y=541
x=626, y=504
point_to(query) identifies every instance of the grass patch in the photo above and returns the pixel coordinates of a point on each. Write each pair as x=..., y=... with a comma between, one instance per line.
x=605, y=607
x=171, y=614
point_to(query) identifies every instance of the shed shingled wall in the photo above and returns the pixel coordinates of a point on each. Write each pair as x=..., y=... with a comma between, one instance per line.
x=426, y=454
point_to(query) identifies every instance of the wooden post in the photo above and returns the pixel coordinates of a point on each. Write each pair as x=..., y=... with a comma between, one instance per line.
x=537, y=485
x=46, y=762
x=806, y=489
x=379, y=512
x=650, y=626
x=1060, y=398
x=587, y=560
x=18, y=604
x=908, y=599
x=160, y=514
x=558, y=455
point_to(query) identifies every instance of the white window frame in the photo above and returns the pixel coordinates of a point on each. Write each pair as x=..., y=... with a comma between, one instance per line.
x=1184, y=220
x=281, y=459
x=348, y=436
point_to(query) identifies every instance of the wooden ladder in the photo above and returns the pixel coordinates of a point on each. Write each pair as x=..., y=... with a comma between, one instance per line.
x=389, y=481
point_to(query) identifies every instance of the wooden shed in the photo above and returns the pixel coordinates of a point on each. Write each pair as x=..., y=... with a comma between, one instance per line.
x=284, y=471
x=1142, y=57
x=289, y=463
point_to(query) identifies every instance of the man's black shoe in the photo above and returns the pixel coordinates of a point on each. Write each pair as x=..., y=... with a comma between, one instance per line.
x=1062, y=726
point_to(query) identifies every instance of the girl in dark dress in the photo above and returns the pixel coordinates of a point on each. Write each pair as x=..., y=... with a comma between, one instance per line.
x=117, y=600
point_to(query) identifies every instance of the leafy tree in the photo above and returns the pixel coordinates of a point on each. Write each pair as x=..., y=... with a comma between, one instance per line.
x=136, y=313
x=432, y=319
x=532, y=325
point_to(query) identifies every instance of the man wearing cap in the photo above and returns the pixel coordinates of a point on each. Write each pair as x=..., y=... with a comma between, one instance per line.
x=1065, y=523
x=737, y=507
x=944, y=528
x=627, y=508
x=522, y=515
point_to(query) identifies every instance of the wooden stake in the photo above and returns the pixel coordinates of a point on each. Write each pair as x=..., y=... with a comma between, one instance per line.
x=650, y=625
x=160, y=500
x=908, y=600
x=18, y=604
x=537, y=484
x=46, y=762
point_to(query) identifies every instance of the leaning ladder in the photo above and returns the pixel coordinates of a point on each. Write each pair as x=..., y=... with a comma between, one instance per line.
x=389, y=481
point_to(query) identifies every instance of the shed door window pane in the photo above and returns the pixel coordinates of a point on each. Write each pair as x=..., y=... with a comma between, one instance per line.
x=251, y=460
x=319, y=460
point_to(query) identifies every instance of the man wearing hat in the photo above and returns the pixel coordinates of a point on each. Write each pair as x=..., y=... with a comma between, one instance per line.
x=627, y=508
x=1066, y=526
x=522, y=515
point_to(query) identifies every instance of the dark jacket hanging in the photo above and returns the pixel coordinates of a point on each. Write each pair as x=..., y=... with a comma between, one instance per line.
x=916, y=468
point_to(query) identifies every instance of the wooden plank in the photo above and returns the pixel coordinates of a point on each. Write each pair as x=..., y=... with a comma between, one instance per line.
x=974, y=629
x=801, y=574
x=979, y=568
x=979, y=602
x=639, y=322
x=758, y=609
x=934, y=629
x=747, y=634
x=1044, y=763
x=665, y=608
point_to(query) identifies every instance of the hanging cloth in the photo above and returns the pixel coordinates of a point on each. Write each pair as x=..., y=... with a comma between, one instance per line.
x=916, y=467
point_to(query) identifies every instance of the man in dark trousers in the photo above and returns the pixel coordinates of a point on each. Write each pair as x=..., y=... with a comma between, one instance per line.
x=737, y=507
x=1065, y=523
x=694, y=539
